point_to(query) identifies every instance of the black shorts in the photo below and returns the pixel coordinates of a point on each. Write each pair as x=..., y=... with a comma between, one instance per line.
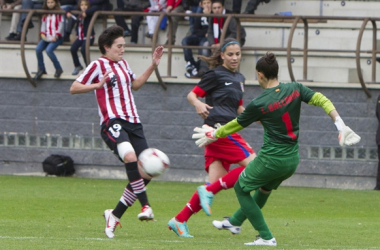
x=118, y=130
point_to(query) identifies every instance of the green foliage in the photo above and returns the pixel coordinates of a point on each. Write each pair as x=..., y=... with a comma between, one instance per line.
x=66, y=213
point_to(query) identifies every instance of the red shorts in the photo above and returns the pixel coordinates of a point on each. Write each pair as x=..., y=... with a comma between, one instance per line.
x=229, y=150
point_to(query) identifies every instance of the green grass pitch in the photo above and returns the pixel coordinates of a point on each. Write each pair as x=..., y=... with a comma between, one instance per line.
x=66, y=213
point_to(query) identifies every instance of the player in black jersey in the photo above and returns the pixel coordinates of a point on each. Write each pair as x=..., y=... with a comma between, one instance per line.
x=278, y=109
x=222, y=88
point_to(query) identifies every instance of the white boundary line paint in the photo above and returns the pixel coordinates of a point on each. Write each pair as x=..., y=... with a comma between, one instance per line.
x=166, y=241
x=85, y=238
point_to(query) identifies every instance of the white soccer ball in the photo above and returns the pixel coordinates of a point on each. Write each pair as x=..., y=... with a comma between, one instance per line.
x=153, y=162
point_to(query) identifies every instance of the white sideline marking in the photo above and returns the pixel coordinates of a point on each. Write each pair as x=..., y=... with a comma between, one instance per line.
x=28, y=238
x=96, y=239
x=165, y=241
x=20, y=238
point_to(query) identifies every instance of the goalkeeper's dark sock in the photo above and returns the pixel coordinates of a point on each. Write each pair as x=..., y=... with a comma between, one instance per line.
x=260, y=198
x=227, y=181
x=137, y=182
x=191, y=208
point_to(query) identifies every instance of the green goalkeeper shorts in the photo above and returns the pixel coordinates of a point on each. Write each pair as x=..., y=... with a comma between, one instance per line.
x=268, y=172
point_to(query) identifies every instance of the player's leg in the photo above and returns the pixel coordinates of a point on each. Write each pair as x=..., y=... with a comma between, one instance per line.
x=232, y=149
x=253, y=212
x=233, y=223
x=126, y=200
x=216, y=170
x=111, y=134
x=229, y=179
x=117, y=140
x=179, y=223
x=267, y=173
x=138, y=141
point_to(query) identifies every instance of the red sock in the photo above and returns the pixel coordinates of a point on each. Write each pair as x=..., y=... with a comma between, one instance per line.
x=191, y=208
x=226, y=182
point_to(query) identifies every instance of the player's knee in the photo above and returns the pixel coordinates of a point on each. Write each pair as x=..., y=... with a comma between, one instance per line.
x=126, y=152
x=130, y=157
x=265, y=190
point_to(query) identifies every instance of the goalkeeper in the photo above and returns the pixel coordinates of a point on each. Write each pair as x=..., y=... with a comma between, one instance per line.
x=278, y=109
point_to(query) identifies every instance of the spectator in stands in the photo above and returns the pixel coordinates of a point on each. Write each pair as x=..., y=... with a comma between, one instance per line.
x=215, y=30
x=26, y=4
x=249, y=9
x=82, y=23
x=191, y=6
x=9, y=5
x=51, y=38
x=131, y=5
x=197, y=37
x=377, y=187
x=155, y=6
x=216, y=25
x=68, y=5
x=174, y=6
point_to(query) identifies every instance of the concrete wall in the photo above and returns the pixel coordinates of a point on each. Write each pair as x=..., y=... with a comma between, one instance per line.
x=36, y=122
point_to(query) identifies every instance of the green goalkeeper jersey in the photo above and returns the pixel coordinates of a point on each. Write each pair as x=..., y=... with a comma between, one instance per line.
x=278, y=109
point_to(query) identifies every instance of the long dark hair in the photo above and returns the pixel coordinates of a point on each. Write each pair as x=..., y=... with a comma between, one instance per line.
x=108, y=36
x=56, y=7
x=268, y=65
x=215, y=59
x=80, y=2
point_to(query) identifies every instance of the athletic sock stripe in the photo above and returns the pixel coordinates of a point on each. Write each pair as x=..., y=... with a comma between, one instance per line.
x=138, y=186
x=129, y=197
x=129, y=200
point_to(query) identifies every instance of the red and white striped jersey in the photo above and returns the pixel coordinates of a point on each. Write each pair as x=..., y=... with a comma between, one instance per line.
x=115, y=99
x=52, y=25
x=82, y=30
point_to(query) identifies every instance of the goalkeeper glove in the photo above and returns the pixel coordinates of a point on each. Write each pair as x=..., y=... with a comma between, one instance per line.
x=346, y=135
x=205, y=135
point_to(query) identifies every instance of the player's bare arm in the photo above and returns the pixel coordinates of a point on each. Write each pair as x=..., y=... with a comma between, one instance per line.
x=201, y=107
x=79, y=88
x=156, y=58
x=240, y=109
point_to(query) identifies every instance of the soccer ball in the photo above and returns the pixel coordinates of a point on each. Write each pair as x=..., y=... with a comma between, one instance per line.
x=153, y=162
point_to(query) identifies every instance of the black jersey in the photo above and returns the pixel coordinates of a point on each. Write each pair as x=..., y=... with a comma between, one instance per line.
x=223, y=90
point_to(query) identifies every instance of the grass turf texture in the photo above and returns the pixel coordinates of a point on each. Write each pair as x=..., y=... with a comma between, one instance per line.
x=65, y=213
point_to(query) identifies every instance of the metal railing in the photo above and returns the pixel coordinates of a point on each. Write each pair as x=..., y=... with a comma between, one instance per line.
x=238, y=17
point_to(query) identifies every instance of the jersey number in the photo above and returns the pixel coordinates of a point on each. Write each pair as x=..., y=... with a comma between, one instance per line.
x=288, y=125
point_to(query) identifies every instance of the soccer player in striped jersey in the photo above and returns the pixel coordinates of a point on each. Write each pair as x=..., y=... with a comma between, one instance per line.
x=278, y=109
x=222, y=88
x=112, y=80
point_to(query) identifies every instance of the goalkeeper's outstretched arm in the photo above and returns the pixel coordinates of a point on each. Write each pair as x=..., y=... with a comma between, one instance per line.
x=346, y=135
